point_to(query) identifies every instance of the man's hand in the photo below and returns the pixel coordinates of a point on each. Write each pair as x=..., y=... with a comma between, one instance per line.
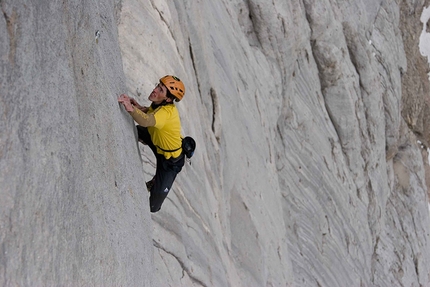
x=126, y=101
x=136, y=104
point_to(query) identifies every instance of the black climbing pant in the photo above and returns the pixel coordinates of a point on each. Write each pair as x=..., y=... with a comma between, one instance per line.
x=165, y=172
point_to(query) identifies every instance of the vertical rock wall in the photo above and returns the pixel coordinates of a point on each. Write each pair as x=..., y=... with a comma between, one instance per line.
x=72, y=210
x=306, y=115
x=306, y=173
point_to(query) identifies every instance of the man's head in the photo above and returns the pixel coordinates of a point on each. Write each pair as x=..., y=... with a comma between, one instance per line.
x=169, y=89
x=174, y=86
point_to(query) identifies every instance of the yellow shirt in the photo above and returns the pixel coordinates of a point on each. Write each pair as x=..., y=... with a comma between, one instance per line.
x=166, y=133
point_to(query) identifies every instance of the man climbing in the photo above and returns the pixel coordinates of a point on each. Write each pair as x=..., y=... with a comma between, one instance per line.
x=160, y=128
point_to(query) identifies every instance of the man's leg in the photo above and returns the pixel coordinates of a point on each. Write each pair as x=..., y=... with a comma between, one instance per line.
x=145, y=138
x=165, y=175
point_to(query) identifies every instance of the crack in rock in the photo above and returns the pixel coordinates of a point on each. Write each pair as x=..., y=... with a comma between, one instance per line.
x=184, y=268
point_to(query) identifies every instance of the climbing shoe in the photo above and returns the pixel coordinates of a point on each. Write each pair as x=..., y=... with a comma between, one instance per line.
x=149, y=184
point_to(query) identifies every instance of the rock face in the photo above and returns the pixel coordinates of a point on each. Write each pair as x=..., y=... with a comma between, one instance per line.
x=70, y=186
x=306, y=173
x=306, y=116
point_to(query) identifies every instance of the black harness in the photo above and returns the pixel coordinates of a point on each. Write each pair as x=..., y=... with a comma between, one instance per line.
x=169, y=150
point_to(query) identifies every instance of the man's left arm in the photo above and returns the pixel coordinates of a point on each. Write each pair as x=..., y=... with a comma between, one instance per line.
x=143, y=119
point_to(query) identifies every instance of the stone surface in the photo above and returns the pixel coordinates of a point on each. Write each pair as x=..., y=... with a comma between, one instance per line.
x=306, y=115
x=72, y=211
x=306, y=173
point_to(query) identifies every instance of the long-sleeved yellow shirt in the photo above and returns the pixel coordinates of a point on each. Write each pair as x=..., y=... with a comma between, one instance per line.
x=164, y=126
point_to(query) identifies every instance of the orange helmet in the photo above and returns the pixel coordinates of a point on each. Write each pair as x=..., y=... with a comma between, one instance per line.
x=174, y=85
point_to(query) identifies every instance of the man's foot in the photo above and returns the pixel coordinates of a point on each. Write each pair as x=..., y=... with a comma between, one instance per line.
x=150, y=184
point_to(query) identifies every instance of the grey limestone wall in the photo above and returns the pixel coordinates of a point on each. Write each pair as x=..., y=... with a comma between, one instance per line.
x=72, y=210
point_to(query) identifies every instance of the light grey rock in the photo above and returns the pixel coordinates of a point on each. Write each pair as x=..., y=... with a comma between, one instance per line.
x=72, y=209
x=307, y=170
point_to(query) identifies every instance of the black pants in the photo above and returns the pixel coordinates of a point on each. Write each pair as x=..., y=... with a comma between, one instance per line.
x=165, y=173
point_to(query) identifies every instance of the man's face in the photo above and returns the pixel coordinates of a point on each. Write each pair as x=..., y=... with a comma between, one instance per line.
x=159, y=94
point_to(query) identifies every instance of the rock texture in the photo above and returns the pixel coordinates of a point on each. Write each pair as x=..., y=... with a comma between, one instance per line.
x=306, y=172
x=306, y=115
x=72, y=211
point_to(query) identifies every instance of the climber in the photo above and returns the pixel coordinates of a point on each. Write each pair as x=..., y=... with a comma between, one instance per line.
x=159, y=127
